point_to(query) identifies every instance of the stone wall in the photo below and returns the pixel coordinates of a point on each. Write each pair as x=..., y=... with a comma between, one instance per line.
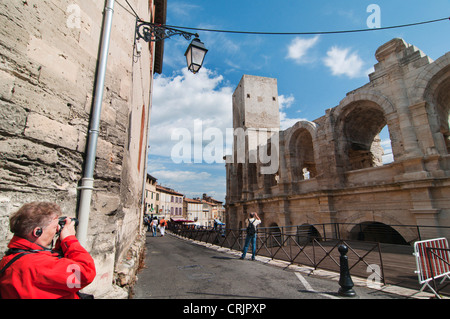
x=48, y=52
x=347, y=181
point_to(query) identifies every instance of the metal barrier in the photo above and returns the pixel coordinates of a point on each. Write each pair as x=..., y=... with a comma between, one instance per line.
x=306, y=250
x=433, y=262
x=375, y=251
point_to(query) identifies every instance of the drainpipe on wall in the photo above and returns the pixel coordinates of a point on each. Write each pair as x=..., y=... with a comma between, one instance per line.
x=87, y=182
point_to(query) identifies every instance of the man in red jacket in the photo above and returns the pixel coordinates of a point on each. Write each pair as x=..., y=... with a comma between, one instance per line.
x=40, y=272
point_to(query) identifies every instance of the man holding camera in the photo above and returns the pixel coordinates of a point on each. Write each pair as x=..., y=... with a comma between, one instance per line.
x=253, y=221
x=32, y=270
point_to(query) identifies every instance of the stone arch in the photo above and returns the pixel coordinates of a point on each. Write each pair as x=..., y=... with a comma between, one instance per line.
x=359, y=119
x=437, y=95
x=300, y=151
x=372, y=96
x=423, y=84
x=376, y=232
x=409, y=234
x=306, y=233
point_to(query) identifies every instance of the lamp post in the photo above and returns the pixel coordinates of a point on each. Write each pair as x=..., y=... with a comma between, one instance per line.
x=151, y=32
x=195, y=54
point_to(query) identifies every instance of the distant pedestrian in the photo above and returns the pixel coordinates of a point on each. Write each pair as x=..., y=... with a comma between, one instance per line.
x=154, y=226
x=147, y=221
x=162, y=226
x=253, y=222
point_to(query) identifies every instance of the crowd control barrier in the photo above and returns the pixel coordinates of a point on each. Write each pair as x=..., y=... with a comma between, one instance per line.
x=433, y=262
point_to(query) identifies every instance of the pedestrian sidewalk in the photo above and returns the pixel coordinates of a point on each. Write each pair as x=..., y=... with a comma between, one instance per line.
x=325, y=274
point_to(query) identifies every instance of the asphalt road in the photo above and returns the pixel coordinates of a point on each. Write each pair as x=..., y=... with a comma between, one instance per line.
x=178, y=269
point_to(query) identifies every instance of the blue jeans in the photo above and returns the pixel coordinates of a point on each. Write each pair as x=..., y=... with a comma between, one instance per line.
x=154, y=231
x=249, y=239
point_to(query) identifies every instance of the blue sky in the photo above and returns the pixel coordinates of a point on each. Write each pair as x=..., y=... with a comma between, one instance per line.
x=314, y=72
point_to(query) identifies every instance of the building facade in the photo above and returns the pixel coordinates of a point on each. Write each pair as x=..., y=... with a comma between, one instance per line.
x=151, y=195
x=330, y=170
x=193, y=211
x=203, y=211
x=170, y=203
x=49, y=54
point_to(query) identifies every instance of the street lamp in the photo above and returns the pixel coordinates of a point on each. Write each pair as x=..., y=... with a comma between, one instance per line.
x=152, y=32
x=195, y=54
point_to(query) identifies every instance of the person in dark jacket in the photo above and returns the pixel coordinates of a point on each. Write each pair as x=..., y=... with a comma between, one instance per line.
x=31, y=269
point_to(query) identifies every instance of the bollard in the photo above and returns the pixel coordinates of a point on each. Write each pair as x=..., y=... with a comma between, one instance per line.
x=345, y=281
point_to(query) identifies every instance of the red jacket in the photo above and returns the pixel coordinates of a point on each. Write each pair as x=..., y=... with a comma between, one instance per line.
x=45, y=275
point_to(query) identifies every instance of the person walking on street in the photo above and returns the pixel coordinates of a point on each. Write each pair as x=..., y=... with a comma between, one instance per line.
x=147, y=222
x=162, y=226
x=253, y=222
x=154, y=226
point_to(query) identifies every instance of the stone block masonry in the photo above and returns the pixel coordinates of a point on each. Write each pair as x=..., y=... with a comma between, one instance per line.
x=48, y=60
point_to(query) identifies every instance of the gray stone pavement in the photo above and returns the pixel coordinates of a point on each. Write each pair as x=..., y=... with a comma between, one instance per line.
x=177, y=268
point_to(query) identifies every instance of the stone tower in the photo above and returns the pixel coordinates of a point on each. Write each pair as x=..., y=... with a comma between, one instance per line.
x=256, y=124
x=255, y=103
x=256, y=117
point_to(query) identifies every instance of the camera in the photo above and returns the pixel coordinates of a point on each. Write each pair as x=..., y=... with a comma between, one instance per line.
x=62, y=221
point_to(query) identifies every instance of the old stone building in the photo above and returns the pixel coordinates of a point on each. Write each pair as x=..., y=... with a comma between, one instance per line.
x=49, y=51
x=330, y=170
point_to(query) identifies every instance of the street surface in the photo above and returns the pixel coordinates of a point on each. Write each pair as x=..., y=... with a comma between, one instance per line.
x=179, y=269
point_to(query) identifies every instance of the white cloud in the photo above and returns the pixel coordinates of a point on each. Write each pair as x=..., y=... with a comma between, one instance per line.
x=180, y=176
x=343, y=62
x=285, y=101
x=286, y=123
x=183, y=9
x=180, y=100
x=299, y=47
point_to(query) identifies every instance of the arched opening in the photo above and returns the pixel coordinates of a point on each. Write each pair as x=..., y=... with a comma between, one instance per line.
x=377, y=232
x=361, y=129
x=442, y=102
x=307, y=233
x=385, y=142
x=301, y=152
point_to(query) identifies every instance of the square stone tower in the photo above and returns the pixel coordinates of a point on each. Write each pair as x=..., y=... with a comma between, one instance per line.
x=256, y=117
x=255, y=103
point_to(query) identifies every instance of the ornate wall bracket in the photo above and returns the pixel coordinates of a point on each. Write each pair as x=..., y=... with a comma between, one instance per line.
x=157, y=32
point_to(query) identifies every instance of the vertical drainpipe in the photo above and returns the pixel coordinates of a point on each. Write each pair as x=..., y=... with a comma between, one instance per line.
x=87, y=182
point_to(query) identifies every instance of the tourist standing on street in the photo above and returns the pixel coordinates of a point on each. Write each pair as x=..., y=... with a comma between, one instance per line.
x=253, y=221
x=162, y=226
x=154, y=226
x=31, y=269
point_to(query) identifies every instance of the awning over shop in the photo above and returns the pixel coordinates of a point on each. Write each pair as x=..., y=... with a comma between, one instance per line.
x=218, y=222
x=181, y=220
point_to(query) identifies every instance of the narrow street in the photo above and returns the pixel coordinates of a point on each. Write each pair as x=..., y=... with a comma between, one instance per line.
x=178, y=269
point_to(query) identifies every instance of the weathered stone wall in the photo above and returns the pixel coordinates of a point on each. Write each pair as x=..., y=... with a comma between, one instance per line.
x=48, y=52
x=347, y=182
